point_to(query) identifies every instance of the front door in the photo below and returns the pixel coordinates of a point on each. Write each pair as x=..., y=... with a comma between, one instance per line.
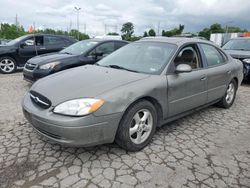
x=187, y=91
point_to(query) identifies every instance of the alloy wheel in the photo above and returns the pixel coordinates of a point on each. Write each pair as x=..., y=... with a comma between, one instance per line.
x=141, y=126
x=7, y=65
x=230, y=93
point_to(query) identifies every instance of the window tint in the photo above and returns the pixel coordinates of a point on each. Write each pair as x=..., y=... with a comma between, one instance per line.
x=52, y=40
x=119, y=45
x=213, y=56
x=188, y=55
x=106, y=48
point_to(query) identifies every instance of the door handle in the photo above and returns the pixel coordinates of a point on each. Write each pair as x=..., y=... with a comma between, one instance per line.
x=42, y=48
x=229, y=72
x=203, y=78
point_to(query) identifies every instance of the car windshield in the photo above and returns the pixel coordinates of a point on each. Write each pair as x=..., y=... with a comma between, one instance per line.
x=237, y=44
x=143, y=57
x=12, y=42
x=79, y=47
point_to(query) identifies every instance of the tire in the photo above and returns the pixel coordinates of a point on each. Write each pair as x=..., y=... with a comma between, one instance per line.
x=7, y=65
x=137, y=126
x=229, y=97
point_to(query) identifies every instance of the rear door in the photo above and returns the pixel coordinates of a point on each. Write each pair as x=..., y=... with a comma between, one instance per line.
x=218, y=71
x=187, y=91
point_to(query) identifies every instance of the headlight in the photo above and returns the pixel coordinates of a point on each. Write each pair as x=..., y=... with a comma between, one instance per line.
x=246, y=61
x=78, y=107
x=49, y=65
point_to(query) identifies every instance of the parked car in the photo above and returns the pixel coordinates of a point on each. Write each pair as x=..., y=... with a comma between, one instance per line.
x=131, y=92
x=81, y=53
x=18, y=51
x=239, y=48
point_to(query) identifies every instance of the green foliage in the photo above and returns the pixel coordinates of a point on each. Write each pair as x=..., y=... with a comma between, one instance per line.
x=173, y=32
x=145, y=34
x=8, y=31
x=151, y=32
x=217, y=28
x=113, y=33
x=127, y=30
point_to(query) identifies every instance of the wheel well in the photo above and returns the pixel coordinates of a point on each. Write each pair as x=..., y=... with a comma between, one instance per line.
x=8, y=55
x=156, y=104
x=237, y=82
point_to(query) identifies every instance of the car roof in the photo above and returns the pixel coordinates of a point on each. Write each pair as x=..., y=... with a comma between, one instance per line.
x=106, y=40
x=175, y=40
x=240, y=38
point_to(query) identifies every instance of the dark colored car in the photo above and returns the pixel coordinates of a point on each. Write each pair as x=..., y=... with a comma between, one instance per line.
x=16, y=52
x=4, y=41
x=239, y=48
x=81, y=53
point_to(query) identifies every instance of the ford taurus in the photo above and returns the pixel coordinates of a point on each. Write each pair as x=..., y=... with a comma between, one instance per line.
x=124, y=97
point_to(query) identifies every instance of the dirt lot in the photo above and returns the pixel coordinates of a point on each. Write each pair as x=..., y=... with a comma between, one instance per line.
x=210, y=148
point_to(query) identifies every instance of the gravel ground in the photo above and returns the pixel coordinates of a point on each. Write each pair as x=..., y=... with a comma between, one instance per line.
x=209, y=148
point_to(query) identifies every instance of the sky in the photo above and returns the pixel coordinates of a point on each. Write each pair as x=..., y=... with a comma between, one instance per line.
x=145, y=14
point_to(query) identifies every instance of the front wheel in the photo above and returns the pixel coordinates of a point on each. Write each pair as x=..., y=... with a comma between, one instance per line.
x=229, y=97
x=7, y=65
x=137, y=126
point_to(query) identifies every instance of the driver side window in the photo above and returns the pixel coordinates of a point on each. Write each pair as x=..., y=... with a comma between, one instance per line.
x=188, y=55
x=106, y=48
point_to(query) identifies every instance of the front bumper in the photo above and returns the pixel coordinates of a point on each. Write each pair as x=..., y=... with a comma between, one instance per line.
x=73, y=131
x=33, y=75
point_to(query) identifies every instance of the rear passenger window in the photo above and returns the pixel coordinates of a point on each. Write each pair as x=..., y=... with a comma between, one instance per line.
x=213, y=56
x=52, y=40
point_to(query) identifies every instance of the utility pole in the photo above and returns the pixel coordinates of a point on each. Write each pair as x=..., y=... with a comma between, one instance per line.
x=77, y=10
x=158, y=28
x=85, y=28
x=16, y=22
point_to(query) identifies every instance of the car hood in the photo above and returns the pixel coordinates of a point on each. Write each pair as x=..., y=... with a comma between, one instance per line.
x=239, y=54
x=51, y=57
x=83, y=82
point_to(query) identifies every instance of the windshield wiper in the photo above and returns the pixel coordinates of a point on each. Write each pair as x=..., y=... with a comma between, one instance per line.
x=120, y=67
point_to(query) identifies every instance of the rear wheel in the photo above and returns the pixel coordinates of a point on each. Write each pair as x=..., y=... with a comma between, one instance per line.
x=228, y=99
x=7, y=65
x=137, y=126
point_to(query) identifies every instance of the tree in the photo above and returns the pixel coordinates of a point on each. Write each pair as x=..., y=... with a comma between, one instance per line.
x=113, y=33
x=173, y=32
x=151, y=32
x=127, y=30
x=145, y=34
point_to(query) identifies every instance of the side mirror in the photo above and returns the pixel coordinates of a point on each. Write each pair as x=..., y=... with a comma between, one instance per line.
x=22, y=45
x=98, y=54
x=183, y=68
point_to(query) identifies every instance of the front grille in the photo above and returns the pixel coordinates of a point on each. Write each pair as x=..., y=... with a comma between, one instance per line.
x=30, y=66
x=40, y=100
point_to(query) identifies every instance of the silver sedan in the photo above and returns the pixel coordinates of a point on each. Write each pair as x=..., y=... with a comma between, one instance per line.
x=124, y=97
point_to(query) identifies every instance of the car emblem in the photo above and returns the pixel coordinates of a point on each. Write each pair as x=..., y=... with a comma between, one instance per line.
x=38, y=100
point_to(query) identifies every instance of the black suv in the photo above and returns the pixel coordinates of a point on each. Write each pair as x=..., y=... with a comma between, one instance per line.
x=239, y=48
x=78, y=54
x=18, y=51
